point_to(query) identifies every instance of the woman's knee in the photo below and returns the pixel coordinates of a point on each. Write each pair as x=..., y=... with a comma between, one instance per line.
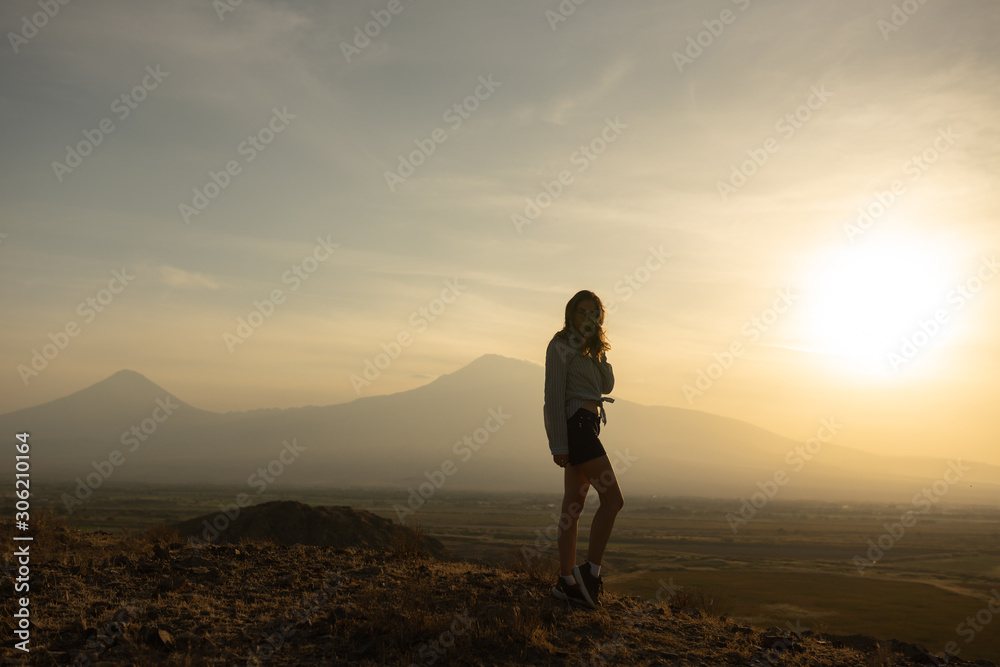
x=613, y=499
x=572, y=508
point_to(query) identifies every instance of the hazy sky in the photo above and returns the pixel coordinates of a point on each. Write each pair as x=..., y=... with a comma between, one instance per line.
x=694, y=163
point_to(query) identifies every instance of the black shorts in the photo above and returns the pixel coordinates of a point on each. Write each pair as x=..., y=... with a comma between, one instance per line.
x=582, y=430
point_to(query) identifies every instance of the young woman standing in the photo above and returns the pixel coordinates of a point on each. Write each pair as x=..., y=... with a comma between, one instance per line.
x=577, y=374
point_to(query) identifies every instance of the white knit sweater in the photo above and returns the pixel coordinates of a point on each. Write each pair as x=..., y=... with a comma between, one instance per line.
x=571, y=379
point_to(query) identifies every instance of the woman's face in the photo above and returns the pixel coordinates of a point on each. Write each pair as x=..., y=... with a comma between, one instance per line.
x=585, y=317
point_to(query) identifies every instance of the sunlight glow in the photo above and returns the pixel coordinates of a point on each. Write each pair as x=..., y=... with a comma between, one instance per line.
x=866, y=297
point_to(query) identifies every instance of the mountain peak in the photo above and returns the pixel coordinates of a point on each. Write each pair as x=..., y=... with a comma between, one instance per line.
x=489, y=364
x=119, y=400
x=127, y=375
x=123, y=385
x=486, y=370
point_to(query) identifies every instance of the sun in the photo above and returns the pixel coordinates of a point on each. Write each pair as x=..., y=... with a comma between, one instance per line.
x=864, y=298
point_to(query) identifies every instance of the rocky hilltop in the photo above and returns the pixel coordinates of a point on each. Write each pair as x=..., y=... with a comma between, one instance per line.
x=265, y=598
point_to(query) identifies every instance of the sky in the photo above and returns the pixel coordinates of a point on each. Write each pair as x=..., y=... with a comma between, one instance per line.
x=788, y=208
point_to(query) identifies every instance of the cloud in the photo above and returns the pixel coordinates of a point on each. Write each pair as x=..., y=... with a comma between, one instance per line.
x=174, y=277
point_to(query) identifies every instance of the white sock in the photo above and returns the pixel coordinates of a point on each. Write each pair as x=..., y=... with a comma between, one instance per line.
x=568, y=579
x=595, y=569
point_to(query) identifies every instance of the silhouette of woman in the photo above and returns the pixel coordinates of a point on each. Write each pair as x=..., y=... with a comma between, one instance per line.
x=577, y=373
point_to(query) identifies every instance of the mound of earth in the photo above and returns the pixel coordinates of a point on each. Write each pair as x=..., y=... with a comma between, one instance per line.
x=288, y=522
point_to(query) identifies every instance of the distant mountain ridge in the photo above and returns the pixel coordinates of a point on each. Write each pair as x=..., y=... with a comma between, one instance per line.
x=479, y=427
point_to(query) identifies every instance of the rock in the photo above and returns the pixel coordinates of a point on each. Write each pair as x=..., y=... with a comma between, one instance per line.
x=83, y=657
x=907, y=650
x=194, y=561
x=367, y=572
x=341, y=612
x=777, y=641
x=184, y=641
x=856, y=642
x=202, y=573
x=156, y=637
x=171, y=583
x=165, y=638
x=80, y=626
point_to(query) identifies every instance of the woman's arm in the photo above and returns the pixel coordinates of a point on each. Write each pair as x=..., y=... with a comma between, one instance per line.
x=554, y=408
x=607, y=374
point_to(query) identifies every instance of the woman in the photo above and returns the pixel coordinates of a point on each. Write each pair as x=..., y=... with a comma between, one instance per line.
x=577, y=373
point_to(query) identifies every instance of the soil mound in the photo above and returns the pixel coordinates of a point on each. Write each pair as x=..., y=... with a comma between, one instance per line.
x=288, y=522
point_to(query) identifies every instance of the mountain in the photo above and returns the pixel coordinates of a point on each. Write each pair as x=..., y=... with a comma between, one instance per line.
x=479, y=427
x=109, y=403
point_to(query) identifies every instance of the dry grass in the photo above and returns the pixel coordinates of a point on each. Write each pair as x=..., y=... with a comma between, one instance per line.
x=882, y=657
x=693, y=598
x=538, y=569
x=108, y=597
x=161, y=533
x=408, y=542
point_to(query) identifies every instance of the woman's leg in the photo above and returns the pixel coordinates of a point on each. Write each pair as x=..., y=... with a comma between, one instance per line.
x=599, y=473
x=574, y=497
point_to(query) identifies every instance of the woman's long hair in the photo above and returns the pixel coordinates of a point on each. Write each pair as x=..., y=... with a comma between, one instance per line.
x=593, y=346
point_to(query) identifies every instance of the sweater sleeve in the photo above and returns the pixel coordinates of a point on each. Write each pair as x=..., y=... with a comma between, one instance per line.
x=554, y=408
x=607, y=375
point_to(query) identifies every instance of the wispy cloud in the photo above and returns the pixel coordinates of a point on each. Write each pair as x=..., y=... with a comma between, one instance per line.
x=174, y=277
